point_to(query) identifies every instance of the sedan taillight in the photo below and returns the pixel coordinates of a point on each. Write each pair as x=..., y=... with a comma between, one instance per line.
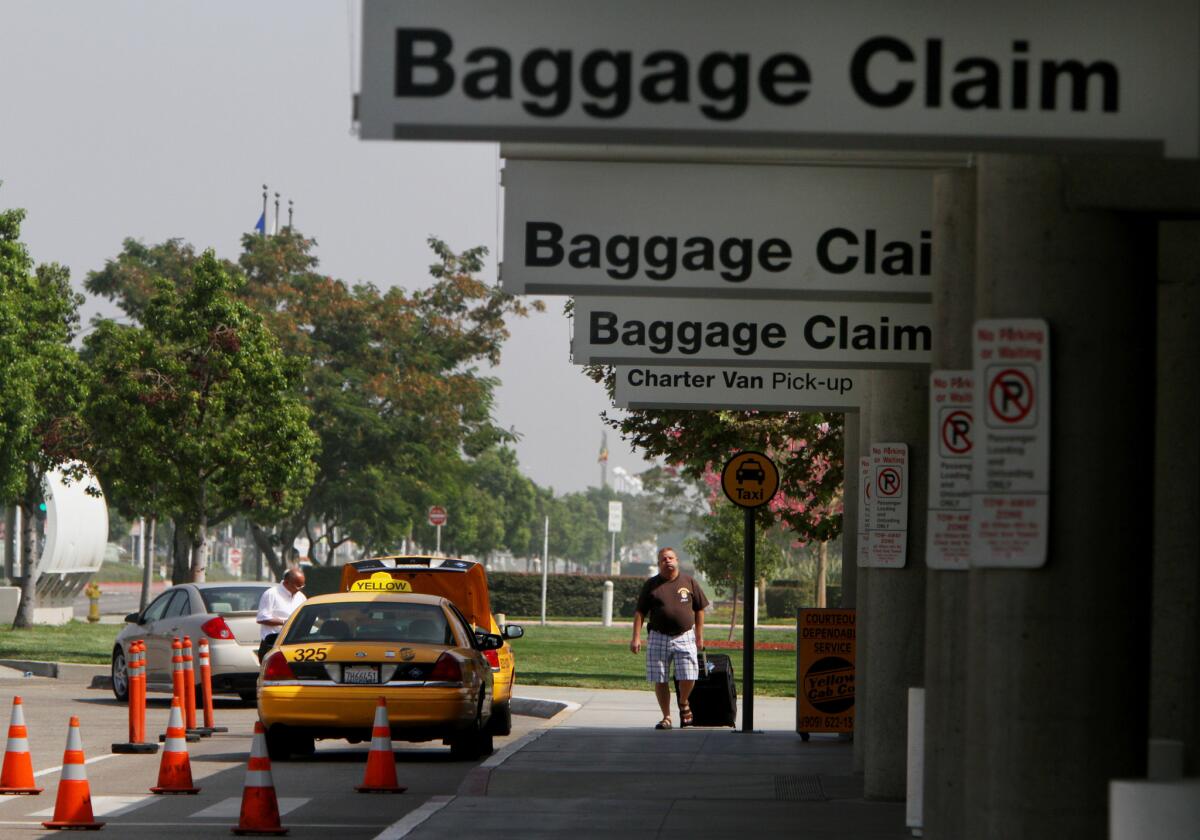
x=446, y=669
x=277, y=668
x=216, y=628
x=493, y=658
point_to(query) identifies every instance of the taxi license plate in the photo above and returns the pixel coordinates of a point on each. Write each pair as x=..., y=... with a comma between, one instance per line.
x=360, y=674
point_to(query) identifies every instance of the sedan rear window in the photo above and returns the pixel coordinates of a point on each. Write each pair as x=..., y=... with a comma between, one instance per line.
x=370, y=622
x=227, y=599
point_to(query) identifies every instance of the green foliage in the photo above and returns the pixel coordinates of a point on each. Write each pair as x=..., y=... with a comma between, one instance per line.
x=515, y=593
x=720, y=553
x=193, y=414
x=41, y=385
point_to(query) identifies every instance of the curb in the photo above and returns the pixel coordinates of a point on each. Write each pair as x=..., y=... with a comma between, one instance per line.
x=38, y=669
x=534, y=707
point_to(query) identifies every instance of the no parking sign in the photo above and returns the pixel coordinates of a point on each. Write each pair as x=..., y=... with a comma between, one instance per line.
x=1010, y=498
x=951, y=446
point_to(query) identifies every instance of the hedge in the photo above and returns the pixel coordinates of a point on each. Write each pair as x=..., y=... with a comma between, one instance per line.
x=784, y=601
x=518, y=593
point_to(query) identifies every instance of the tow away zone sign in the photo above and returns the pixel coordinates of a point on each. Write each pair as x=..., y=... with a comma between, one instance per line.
x=951, y=444
x=1010, y=498
x=889, y=506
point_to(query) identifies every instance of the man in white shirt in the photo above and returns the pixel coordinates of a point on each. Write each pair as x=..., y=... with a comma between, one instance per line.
x=276, y=605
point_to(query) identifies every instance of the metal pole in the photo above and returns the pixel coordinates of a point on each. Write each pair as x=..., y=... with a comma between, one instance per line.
x=438, y=550
x=612, y=555
x=545, y=565
x=748, y=628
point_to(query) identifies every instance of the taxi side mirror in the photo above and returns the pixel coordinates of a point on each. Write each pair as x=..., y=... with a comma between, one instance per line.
x=489, y=641
x=513, y=631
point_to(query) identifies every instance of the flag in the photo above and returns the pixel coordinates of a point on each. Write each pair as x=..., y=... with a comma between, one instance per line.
x=261, y=226
x=603, y=459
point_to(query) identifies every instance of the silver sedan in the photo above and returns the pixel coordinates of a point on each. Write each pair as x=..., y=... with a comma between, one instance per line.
x=223, y=613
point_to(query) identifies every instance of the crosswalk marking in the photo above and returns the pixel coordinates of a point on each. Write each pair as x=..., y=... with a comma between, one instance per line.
x=232, y=807
x=109, y=806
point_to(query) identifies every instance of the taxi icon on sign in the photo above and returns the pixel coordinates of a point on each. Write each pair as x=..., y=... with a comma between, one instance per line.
x=750, y=470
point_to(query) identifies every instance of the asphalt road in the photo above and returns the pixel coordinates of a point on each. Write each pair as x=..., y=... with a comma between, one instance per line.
x=315, y=796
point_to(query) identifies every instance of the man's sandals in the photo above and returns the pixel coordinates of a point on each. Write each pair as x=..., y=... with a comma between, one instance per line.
x=685, y=716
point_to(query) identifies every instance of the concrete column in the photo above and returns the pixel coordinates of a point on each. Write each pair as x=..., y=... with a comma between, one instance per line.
x=1175, y=654
x=850, y=511
x=862, y=617
x=1057, y=666
x=896, y=598
x=946, y=590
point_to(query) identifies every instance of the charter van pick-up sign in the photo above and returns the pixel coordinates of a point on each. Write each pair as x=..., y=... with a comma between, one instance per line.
x=589, y=228
x=781, y=333
x=1010, y=500
x=1016, y=76
x=769, y=389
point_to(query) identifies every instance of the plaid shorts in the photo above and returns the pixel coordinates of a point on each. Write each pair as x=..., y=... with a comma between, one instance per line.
x=662, y=649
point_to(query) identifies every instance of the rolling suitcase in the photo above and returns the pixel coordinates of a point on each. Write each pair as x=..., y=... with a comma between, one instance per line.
x=714, y=698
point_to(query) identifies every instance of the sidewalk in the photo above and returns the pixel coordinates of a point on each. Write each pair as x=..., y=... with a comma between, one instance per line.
x=601, y=771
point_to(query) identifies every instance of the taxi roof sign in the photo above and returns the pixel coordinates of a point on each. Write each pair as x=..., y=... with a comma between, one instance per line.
x=750, y=479
x=381, y=582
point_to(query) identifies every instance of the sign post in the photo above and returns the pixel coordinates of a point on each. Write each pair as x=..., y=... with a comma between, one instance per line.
x=437, y=518
x=750, y=480
x=614, y=526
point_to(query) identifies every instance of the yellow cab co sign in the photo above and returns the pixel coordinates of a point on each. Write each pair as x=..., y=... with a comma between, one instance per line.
x=825, y=673
x=381, y=582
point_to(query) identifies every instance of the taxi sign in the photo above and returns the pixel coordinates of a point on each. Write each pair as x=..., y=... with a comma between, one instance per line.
x=750, y=479
x=381, y=582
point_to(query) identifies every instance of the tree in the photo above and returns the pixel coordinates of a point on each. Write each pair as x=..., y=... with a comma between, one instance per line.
x=194, y=413
x=41, y=386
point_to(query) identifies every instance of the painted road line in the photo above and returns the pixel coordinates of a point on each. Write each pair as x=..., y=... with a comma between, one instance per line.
x=231, y=807
x=403, y=827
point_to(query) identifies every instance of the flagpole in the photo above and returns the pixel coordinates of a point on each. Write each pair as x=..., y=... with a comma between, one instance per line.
x=276, y=229
x=264, y=212
x=289, y=214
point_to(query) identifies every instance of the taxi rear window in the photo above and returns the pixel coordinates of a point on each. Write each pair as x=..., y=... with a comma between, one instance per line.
x=370, y=622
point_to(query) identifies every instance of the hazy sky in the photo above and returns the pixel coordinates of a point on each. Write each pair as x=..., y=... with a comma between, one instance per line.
x=156, y=120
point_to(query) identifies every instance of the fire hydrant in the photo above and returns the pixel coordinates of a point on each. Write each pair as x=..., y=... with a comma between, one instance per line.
x=93, y=593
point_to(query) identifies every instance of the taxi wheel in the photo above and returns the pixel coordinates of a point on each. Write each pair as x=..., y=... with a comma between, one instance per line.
x=283, y=743
x=475, y=743
x=500, y=723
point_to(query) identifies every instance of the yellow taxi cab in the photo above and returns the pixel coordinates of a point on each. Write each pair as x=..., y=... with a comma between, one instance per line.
x=339, y=653
x=463, y=582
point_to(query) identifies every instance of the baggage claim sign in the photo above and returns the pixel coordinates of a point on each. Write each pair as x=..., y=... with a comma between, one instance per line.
x=980, y=76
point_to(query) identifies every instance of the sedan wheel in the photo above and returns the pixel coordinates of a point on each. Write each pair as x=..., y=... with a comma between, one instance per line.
x=120, y=674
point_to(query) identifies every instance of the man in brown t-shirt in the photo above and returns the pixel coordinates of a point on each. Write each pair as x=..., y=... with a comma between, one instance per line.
x=674, y=604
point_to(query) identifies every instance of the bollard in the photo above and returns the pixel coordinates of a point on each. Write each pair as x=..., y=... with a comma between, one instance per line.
x=206, y=690
x=136, y=668
x=606, y=605
x=189, y=682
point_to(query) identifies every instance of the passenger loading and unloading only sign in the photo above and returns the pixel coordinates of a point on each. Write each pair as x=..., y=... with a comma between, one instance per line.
x=1010, y=497
x=951, y=451
x=889, y=505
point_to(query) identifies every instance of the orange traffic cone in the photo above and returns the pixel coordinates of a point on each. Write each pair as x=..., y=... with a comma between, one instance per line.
x=175, y=769
x=260, y=808
x=73, y=805
x=17, y=775
x=381, y=761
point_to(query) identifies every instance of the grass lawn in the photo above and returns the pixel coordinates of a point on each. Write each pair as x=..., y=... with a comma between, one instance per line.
x=599, y=657
x=77, y=641
x=585, y=657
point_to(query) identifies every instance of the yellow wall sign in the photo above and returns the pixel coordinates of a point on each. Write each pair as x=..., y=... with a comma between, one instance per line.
x=825, y=648
x=750, y=479
x=381, y=582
